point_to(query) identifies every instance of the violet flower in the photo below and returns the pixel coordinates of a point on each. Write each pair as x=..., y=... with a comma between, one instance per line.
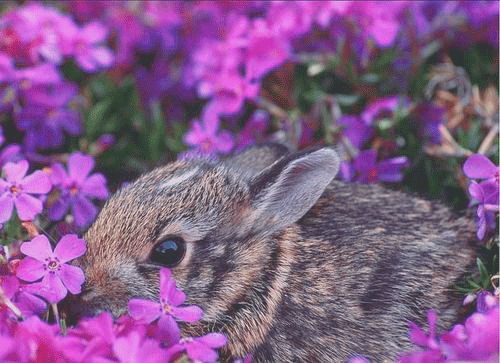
x=17, y=189
x=47, y=115
x=28, y=303
x=368, y=170
x=356, y=129
x=86, y=48
x=76, y=188
x=431, y=117
x=167, y=310
x=206, y=137
x=199, y=349
x=486, y=193
x=42, y=263
x=10, y=152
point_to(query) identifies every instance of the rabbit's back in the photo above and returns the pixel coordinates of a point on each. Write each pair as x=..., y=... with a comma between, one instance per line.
x=368, y=261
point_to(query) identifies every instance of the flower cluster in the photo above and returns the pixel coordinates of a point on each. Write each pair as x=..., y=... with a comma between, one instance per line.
x=150, y=334
x=123, y=85
x=475, y=340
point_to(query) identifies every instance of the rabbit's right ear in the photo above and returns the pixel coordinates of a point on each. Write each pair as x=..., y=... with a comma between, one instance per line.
x=252, y=160
x=283, y=192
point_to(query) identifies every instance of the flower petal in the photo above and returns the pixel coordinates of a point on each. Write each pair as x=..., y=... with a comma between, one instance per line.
x=479, y=166
x=79, y=166
x=200, y=352
x=38, y=183
x=27, y=206
x=59, y=208
x=213, y=340
x=95, y=186
x=52, y=288
x=69, y=248
x=83, y=211
x=15, y=172
x=144, y=310
x=72, y=277
x=189, y=314
x=30, y=269
x=6, y=207
x=39, y=248
x=169, y=329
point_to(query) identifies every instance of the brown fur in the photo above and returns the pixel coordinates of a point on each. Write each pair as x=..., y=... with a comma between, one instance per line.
x=344, y=279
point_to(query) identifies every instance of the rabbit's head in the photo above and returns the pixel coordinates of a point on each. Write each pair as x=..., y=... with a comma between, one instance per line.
x=212, y=223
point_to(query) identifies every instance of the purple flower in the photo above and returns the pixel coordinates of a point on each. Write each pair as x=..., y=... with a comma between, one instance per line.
x=476, y=340
x=206, y=137
x=265, y=50
x=16, y=190
x=57, y=276
x=199, y=349
x=28, y=303
x=356, y=129
x=167, y=310
x=368, y=170
x=134, y=348
x=86, y=48
x=76, y=188
x=486, y=193
x=47, y=114
x=383, y=107
x=431, y=117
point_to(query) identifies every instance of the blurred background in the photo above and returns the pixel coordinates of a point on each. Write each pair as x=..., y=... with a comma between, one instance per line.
x=405, y=89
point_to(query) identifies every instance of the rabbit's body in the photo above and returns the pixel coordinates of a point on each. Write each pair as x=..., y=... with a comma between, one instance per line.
x=288, y=264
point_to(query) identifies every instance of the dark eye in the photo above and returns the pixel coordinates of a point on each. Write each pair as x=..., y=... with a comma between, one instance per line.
x=169, y=252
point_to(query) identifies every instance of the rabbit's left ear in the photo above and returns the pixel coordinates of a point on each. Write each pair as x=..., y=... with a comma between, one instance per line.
x=282, y=193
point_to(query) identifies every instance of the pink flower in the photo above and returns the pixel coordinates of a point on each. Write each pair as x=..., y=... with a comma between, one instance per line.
x=199, y=349
x=16, y=190
x=134, y=348
x=167, y=309
x=86, y=49
x=76, y=188
x=57, y=276
x=206, y=137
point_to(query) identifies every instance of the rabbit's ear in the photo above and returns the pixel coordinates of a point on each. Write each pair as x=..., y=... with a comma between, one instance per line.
x=254, y=159
x=282, y=193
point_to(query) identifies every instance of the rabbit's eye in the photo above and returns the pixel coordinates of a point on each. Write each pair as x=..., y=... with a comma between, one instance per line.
x=168, y=252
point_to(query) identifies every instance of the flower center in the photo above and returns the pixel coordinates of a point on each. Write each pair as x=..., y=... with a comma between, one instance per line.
x=165, y=308
x=74, y=189
x=15, y=189
x=206, y=145
x=52, y=264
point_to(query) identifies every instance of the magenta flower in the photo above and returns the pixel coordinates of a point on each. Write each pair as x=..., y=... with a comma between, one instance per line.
x=167, y=310
x=16, y=190
x=368, y=170
x=206, y=137
x=86, y=48
x=57, y=276
x=134, y=348
x=76, y=188
x=10, y=152
x=199, y=349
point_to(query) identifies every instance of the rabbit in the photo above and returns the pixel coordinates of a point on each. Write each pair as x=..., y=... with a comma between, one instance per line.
x=290, y=264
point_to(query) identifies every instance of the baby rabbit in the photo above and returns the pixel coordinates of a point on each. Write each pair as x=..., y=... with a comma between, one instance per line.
x=291, y=265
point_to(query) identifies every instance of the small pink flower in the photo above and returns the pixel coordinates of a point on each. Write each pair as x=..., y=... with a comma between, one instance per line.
x=57, y=276
x=167, y=309
x=199, y=349
x=16, y=190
